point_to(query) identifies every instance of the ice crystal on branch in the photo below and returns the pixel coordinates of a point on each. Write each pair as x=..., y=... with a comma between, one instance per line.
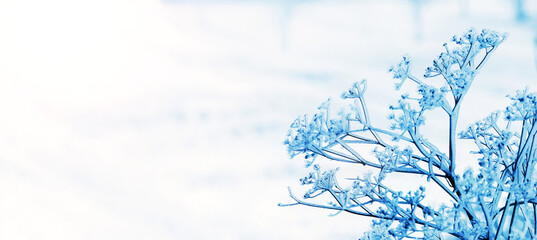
x=495, y=201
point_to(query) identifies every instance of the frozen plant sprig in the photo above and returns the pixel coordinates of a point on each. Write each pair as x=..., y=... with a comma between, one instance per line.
x=496, y=201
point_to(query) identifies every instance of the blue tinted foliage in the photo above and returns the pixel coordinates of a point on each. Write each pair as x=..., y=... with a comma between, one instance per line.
x=495, y=201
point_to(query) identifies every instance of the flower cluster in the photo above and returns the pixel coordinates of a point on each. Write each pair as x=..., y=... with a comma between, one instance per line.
x=460, y=65
x=401, y=71
x=320, y=181
x=524, y=106
x=310, y=136
x=407, y=119
x=356, y=91
x=431, y=97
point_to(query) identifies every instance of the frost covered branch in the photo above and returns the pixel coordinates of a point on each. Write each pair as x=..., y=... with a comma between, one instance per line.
x=497, y=202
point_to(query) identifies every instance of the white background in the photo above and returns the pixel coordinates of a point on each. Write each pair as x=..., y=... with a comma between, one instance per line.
x=144, y=119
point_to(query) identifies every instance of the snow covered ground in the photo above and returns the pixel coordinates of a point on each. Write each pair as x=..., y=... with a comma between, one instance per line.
x=165, y=119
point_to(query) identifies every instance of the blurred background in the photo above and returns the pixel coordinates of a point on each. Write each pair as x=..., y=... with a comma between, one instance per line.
x=148, y=119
